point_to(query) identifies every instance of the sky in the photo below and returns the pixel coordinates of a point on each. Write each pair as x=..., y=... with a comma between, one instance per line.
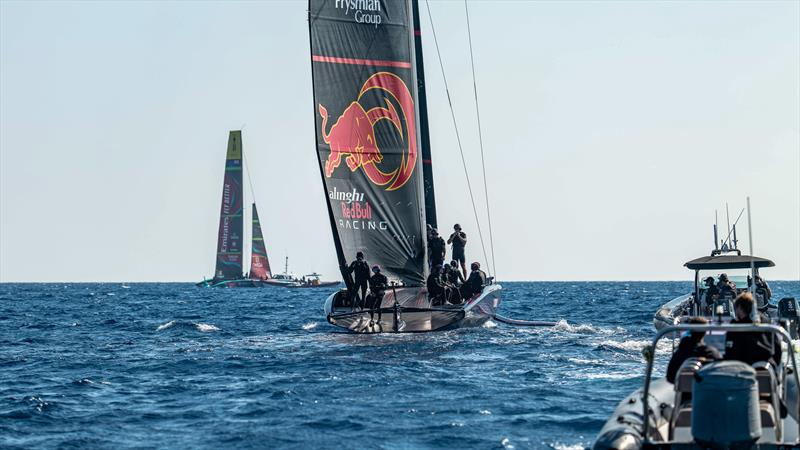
x=612, y=133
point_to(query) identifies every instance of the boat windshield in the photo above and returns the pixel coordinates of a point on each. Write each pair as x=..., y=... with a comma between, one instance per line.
x=738, y=276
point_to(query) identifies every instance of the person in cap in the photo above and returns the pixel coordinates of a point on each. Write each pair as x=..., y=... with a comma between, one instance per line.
x=711, y=292
x=726, y=287
x=360, y=270
x=436, y=248
x=691, y=346
x=475, y=282
x=750, y=346
x=459, y=241
x=377, y=288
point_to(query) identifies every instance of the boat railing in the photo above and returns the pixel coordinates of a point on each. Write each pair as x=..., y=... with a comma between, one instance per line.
x=676, y=329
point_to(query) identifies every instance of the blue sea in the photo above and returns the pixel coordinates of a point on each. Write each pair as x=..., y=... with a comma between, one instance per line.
x=174, y=366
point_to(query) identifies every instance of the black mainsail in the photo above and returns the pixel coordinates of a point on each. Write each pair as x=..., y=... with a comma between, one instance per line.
x=368, y=139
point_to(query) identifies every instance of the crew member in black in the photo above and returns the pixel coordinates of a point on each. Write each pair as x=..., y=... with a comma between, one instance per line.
x=436, y=248
x=475, y=282
x=712, y=293
x=750, y=346
x=453, y=274
x=435, y=287
x=725, y=286
x=360, y=270
x=459, y=241
x=691, y=346
x=377, y=288
x=762, y=288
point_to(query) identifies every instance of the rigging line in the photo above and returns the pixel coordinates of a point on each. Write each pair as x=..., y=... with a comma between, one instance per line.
x=480, y=140
x=249, y=178
x=458, y=136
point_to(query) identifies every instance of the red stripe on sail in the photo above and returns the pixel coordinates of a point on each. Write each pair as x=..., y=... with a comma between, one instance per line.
x=361, y=62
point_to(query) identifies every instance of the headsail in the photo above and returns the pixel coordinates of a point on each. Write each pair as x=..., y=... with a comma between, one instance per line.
x=231, y=232
x=259, y=263
x=363, y=69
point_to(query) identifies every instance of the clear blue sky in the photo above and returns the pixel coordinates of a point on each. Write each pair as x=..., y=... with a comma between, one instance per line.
x=613, y=131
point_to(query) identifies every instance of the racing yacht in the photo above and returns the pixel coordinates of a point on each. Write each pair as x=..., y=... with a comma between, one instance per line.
x=712, y=404
x=371, y=114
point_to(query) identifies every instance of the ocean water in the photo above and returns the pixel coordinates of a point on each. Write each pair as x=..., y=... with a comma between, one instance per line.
x=174, y=366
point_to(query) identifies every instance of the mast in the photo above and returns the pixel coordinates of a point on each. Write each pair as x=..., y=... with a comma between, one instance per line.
x=424, y=132
x=231, y=225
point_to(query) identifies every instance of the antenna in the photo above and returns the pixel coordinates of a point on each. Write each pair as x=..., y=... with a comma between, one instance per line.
x=752, y=287
x=728, y=218
x=716, y=231
x=735, y=241
x=750, y=233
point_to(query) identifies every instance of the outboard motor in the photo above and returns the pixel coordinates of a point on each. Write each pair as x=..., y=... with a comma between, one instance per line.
x=725, y=412
x=788, y=311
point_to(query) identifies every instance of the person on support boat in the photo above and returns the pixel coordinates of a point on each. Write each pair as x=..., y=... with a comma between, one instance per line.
x=710, y=295
x=436, y=289
x=360, y=270
x=459, y=241
x=691, y=346
x=726, y=287
x=475, y=282
x=377, y=289
x=762, y=291
x=436, y=248
x=751, y=346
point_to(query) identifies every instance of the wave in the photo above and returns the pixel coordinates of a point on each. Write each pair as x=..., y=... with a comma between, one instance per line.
x=563, y=325
x=203, y=327
x=164, y=326
x=206, y=327
x=310, y=326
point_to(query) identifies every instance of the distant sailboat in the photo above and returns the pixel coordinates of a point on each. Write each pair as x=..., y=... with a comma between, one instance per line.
x=230, y=237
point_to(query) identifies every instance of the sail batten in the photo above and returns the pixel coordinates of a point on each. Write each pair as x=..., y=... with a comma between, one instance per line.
x=367, y=128
x=230, y=234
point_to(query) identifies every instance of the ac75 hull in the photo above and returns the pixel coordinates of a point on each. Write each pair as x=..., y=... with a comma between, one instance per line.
x=413, y=313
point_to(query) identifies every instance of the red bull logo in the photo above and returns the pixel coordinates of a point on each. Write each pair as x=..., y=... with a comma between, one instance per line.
x=352, y=137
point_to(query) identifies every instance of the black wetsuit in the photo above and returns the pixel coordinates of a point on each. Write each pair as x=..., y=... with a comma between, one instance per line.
x=437, y=248
x=752, y=346
x=726, y=289
x=474, y=284
x=435, y=287
x=377, y=288
x=459, y=240
x=454, y=276
x=360, y=271
x=689, y=348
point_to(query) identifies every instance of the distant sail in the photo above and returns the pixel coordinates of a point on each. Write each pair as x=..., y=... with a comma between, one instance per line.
x=368, y=142
x=231, y=231
x=259, y=263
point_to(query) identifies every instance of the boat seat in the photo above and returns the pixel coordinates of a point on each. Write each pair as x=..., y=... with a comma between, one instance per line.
x=681, y=420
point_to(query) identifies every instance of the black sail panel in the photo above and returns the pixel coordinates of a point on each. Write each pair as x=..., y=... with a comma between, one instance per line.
x=368, y=134
x=231, y=226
